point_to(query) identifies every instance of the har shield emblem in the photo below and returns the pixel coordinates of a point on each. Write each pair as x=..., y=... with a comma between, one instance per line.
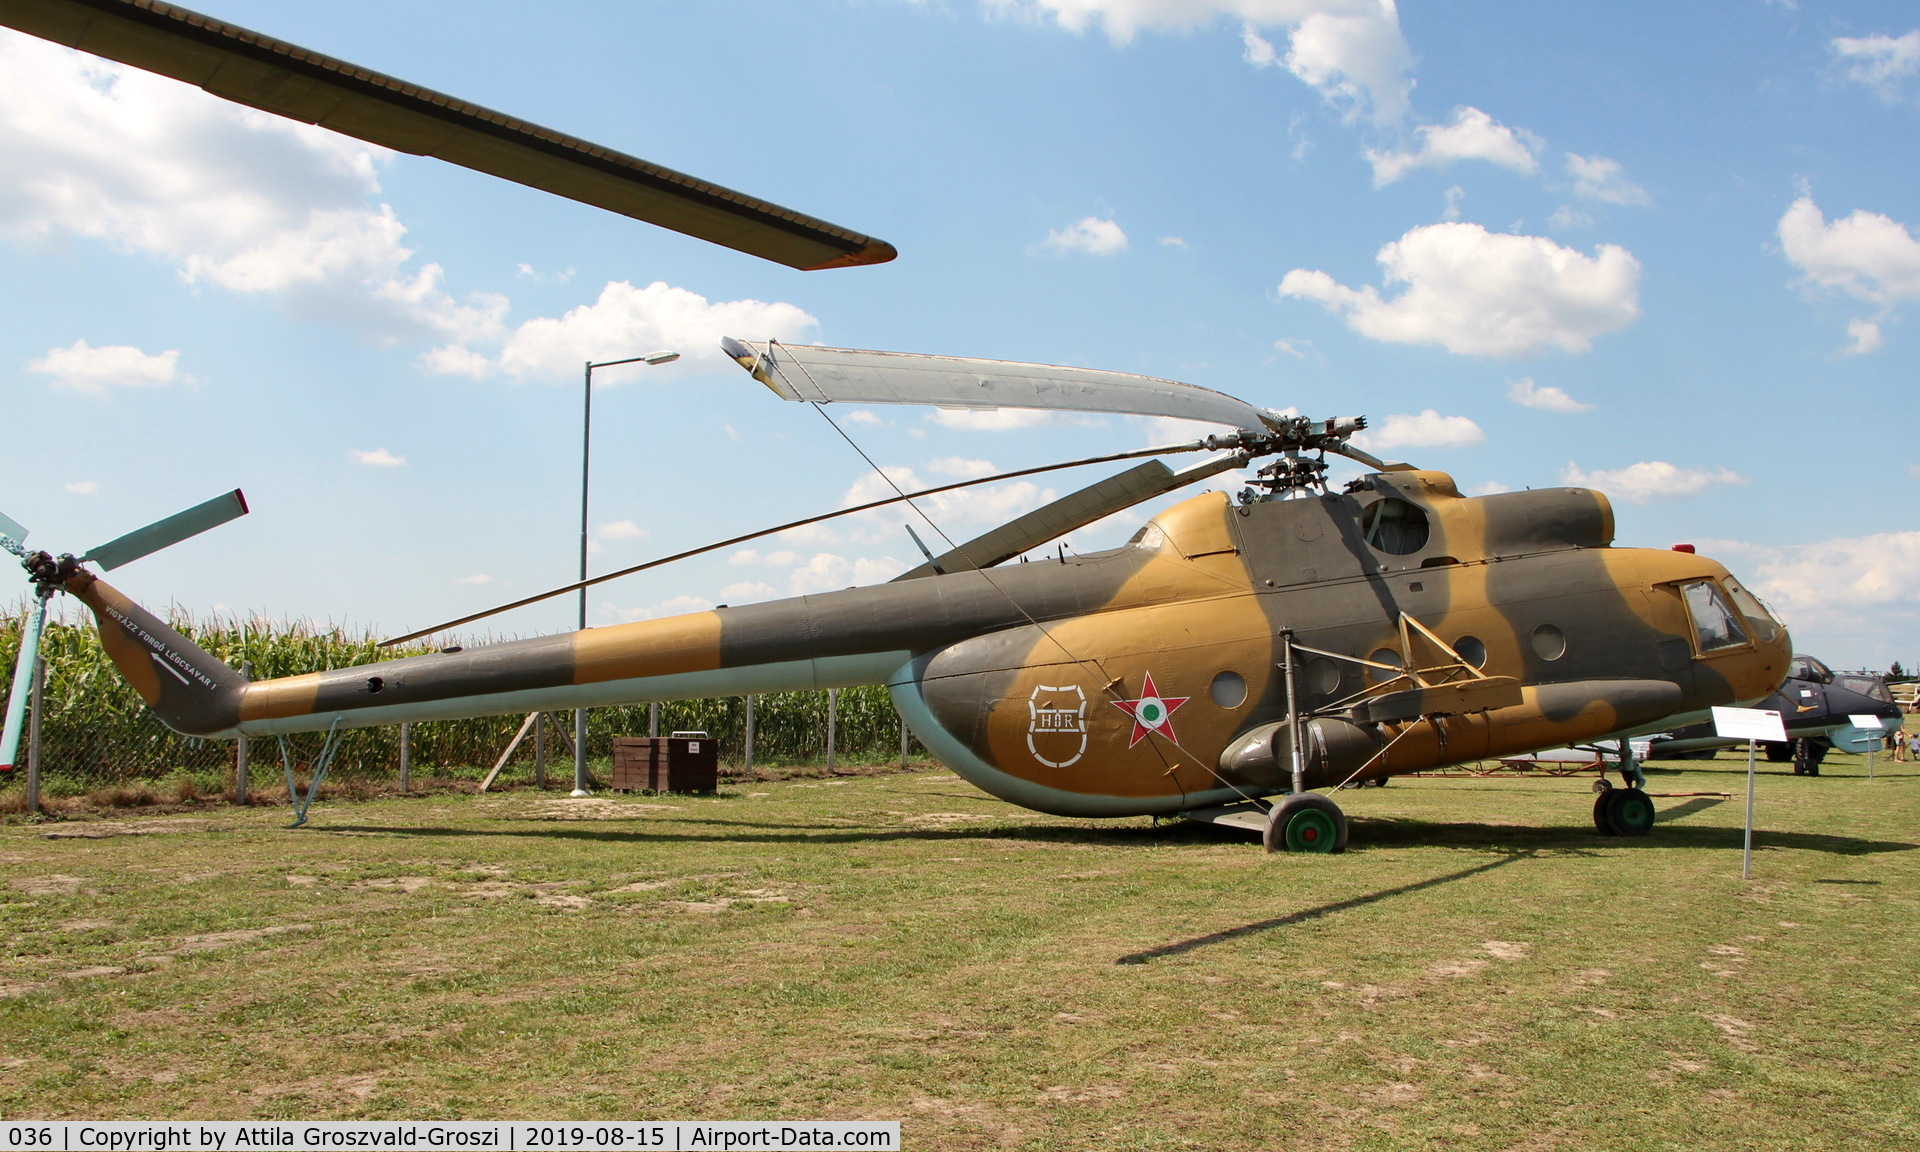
x=1057, y=724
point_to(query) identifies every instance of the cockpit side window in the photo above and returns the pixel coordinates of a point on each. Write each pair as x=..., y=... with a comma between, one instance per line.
x=1714, y=624
x=1761, y=621
x=1397, y=527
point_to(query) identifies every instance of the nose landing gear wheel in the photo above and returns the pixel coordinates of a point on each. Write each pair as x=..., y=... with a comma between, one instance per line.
x=1623, y=812
x=1306, y=822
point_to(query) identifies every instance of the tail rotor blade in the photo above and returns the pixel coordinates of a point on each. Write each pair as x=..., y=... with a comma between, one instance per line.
x=164, y=533
x=22, y=683
x=12, y=529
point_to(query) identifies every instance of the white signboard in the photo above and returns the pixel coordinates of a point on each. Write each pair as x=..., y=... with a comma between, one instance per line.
x=1871, y=723
x=1748, y=724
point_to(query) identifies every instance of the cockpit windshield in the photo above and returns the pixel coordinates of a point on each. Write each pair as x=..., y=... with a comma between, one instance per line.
x=1761, y=621
x=1808, y=669
x=1714, y=624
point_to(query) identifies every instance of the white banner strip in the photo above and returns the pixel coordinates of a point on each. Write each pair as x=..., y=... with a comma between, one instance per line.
x=429, y=1135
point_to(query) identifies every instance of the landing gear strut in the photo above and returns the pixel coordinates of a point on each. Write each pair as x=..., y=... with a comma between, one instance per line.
x=1306, y=822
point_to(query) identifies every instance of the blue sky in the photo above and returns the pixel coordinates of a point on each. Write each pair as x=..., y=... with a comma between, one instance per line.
x=1663, y=250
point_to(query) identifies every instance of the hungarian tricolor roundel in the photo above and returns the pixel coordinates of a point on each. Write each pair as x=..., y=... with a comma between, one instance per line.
x=1152, y=712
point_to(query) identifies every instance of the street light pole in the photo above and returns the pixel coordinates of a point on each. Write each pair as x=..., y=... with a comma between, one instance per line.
x=586, y=449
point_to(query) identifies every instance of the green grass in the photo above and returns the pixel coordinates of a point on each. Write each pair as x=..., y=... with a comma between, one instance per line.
x=1480, y=971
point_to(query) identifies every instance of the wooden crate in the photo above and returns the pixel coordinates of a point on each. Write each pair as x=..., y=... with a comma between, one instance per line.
x=665, y=764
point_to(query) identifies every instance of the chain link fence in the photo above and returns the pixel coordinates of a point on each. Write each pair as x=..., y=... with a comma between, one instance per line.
x=100, y=745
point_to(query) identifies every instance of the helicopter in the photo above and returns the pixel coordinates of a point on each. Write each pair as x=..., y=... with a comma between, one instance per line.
x=1816, y=706
x=1236, y=654
x=1237, y=649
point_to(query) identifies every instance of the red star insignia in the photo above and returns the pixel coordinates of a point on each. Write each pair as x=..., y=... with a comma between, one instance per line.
x=1151, y=712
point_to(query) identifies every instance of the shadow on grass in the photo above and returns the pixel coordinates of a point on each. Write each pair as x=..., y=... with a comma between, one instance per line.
x=1369, y=832
x=1405, y=832
x=1314, y=913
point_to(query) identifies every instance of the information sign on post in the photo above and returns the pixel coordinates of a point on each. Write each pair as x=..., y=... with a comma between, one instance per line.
x=1869, y=724
x=1752, y=725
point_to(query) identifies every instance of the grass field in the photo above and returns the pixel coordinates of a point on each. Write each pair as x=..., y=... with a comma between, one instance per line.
x=1481, y=970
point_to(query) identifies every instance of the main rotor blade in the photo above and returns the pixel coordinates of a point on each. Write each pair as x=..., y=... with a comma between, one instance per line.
x=1070, y=513
x=165, y=533
x=12, y=529
x=827, y=375
x=275, y=76
x=1192, y=446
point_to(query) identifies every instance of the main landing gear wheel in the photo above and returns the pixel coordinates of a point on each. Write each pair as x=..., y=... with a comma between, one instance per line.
x=1306, y=822
x=1623, y=812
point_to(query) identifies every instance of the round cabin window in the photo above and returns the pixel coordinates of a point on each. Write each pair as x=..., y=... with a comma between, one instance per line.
x=1323, y=676
x=1549, y=643
x=1229, y=689
x=1388, y=657
x=1472, y=651
x=1396, y=527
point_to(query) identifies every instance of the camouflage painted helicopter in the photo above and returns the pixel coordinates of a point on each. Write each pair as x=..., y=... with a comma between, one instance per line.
x=1234, y=650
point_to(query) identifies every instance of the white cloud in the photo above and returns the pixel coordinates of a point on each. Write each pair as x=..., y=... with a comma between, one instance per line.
x=1866, y=338
x=862, y=416
x=1293, y=348
x=619, y=530
x=1488, y=488
x=248, y=201
x=1470, y=135
x=826, y=572
x=1480, y=293
x=1350, y=51
x=1175, y=242
x=751, y=556
x=1849, y=585
x=88, y=369
x=84, y=487
x=961, y=467
x=1598, y=178
x=623, y=319
x=749, y=593
x=1650, y=480
x=1427, y=429
x=1547, y=398
x=479, y=578
x=1567, y=218
x=1881, y=62
x=378, y=457
x=1867, y=255
x=1089, y=234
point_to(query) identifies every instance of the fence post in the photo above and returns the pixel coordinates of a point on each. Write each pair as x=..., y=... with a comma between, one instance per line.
x=38, y=701
x=746, y=757
x=833, y=707
x=406, y=757
x=241, y=795
x=903, y=743
x=653, y=719
x=540, y=751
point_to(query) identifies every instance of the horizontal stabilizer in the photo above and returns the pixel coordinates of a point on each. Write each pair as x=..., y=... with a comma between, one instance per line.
x=830, y=375
x=165, y=533
x=1070, y=513
x=12, y=529
x=288, y=80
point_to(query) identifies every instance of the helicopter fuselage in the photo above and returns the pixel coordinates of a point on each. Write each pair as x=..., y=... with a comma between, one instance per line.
x=1149, y=678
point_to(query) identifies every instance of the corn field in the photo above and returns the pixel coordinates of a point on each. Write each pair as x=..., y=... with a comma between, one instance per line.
x=96, y=732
